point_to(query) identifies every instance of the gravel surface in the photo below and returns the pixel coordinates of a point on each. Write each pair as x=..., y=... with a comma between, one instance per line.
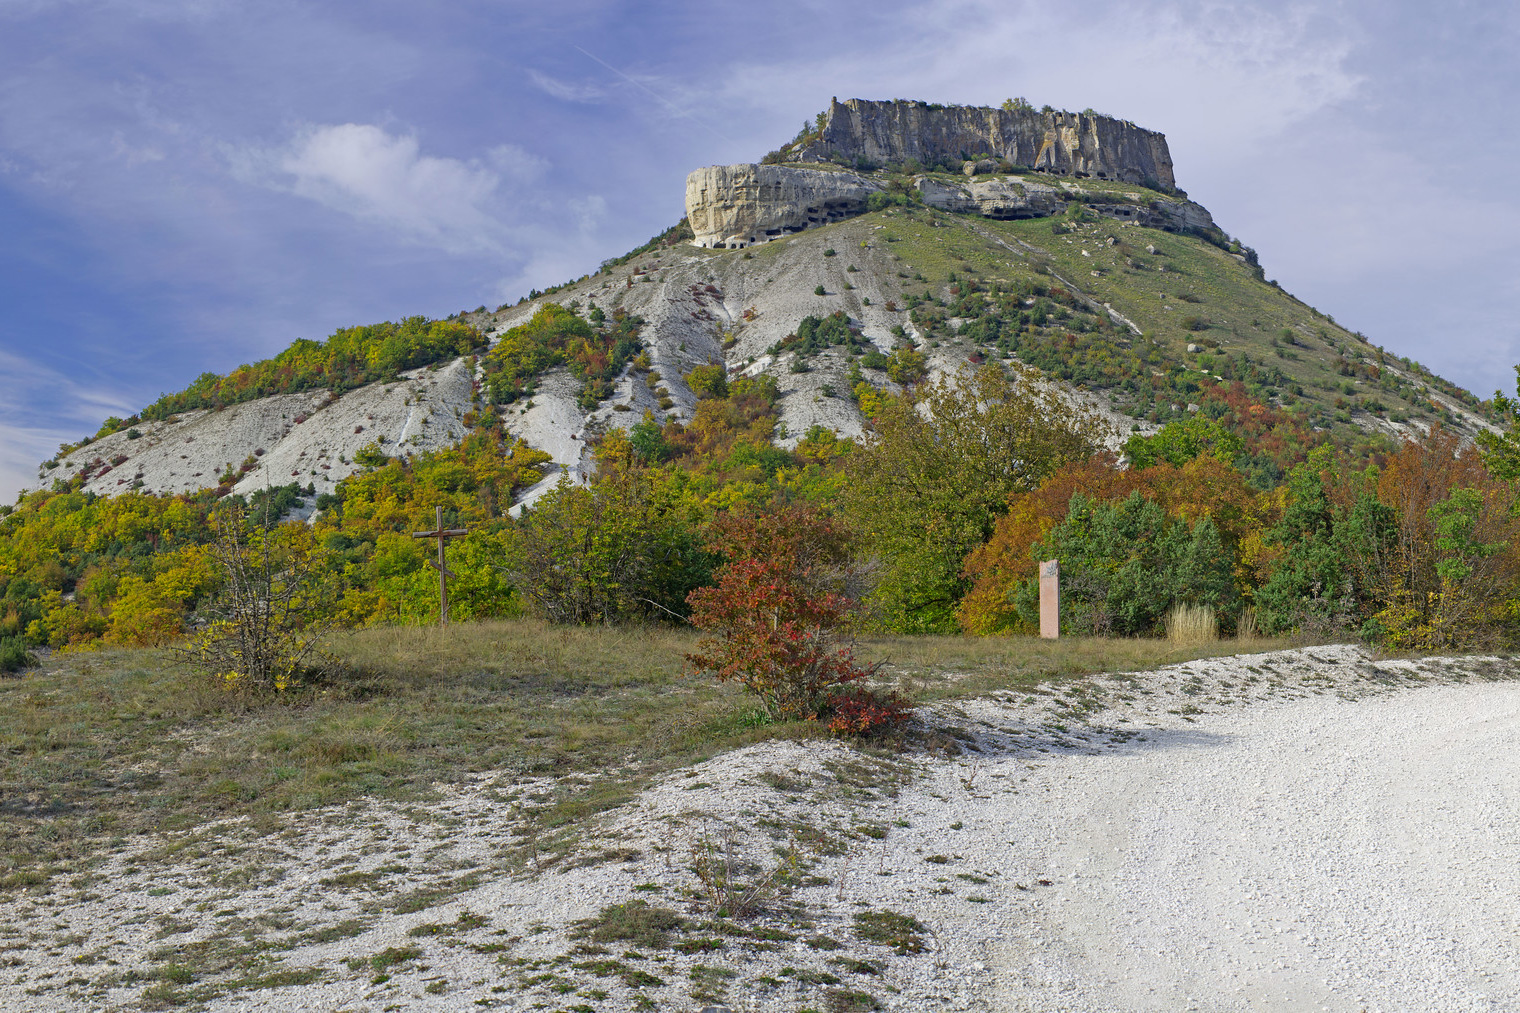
x=1305, y=830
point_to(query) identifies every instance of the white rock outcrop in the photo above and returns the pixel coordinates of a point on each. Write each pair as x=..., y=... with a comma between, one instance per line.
x=308, y=438
x=730, y=207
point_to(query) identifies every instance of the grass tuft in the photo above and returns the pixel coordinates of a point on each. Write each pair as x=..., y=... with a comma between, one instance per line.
x=1188, y=625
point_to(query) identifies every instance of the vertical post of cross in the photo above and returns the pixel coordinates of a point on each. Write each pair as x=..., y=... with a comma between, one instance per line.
x=444, y=573
x=1050, y=599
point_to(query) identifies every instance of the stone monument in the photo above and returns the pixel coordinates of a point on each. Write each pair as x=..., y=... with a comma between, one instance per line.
x=1050, y=599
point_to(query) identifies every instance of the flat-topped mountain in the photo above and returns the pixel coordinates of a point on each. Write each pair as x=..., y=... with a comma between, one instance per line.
x=887, y=232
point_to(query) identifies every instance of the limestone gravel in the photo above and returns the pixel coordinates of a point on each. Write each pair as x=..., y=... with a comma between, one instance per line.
x=1310, y=829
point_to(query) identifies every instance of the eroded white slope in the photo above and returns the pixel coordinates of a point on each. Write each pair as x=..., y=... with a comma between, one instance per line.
x=694, y=302
x=309, y=438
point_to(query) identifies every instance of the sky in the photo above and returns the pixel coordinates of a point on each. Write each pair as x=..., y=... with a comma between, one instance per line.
x=189, y=185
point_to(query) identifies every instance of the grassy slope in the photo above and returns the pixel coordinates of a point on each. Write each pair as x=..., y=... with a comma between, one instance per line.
x=1243, y=312
x=119, y=742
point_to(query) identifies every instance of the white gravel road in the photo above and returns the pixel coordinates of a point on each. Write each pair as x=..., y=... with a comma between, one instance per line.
x=1313, y=854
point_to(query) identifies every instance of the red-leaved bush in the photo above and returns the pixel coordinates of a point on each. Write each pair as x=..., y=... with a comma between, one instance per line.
x=780, y=612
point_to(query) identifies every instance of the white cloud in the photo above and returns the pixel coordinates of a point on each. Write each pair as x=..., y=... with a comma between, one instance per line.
x=516, y=163
x=566, y=91
x=361, y=170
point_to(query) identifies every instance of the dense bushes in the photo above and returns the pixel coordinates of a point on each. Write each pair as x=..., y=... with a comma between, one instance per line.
x=951, y=496
x=1418, y=552
x=1124, y=565
x=350, y=358
x=559, y=336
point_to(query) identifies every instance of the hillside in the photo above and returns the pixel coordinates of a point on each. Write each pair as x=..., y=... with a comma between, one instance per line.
x=1131, y=297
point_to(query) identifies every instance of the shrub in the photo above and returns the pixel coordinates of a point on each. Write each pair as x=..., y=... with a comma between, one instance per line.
x=780, y=609
x=708, y=381
x=14, y=656
x=819, y=291
x=907, y=367
x=264, y=627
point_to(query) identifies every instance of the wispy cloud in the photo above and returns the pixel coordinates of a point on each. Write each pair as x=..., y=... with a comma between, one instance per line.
x=76, y=409
x=566, y=91
x=363, y=171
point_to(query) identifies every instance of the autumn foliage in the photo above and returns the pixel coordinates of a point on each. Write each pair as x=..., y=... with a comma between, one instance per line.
x=779, y=614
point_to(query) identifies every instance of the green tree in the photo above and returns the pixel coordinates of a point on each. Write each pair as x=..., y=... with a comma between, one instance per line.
x=1125, y=564
x=928, y=484
x=1310, y=586
x=619, y=548
x=1179, y=442
x=1501, y=451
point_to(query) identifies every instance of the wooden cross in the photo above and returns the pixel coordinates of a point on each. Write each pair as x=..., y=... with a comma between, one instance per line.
x=444, y=573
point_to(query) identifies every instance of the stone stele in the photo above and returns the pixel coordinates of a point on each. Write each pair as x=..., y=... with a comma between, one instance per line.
x=1050, y=599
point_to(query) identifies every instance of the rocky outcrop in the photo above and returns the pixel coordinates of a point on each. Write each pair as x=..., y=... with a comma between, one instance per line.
x=1023, y=197
x=862, y=132
x=992, y=198
x=730, y=207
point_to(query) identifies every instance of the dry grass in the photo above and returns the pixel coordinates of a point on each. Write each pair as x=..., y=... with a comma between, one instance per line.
x=1190, y=625
x=117, y=742
x=1245, y=629
x=937, y=668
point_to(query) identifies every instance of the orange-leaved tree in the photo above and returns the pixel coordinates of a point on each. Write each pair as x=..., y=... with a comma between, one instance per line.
x=780, y=613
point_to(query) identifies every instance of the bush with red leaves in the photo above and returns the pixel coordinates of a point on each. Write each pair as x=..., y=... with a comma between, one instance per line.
x=781, y=611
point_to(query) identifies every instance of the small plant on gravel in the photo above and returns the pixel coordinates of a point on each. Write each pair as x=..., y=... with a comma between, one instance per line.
x=637, y=922
x=839, y=1000
x=888, y=928
x=781, y=608
x=732, y=888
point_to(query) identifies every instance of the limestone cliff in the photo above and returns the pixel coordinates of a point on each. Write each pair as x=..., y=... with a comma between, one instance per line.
x=730, y=207
x=859, y=131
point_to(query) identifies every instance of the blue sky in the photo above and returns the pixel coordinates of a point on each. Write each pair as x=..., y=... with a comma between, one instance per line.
x=187, y=185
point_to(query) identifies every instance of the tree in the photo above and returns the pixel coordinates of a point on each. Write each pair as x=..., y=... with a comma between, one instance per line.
x=781, y=610
x=264, y=627
x=928, y=483
x=1180, y=442
x=619, y=548
x=1502, y=450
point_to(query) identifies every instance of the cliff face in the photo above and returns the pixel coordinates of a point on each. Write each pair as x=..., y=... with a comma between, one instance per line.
x=1075, y=144
x=730, y=207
